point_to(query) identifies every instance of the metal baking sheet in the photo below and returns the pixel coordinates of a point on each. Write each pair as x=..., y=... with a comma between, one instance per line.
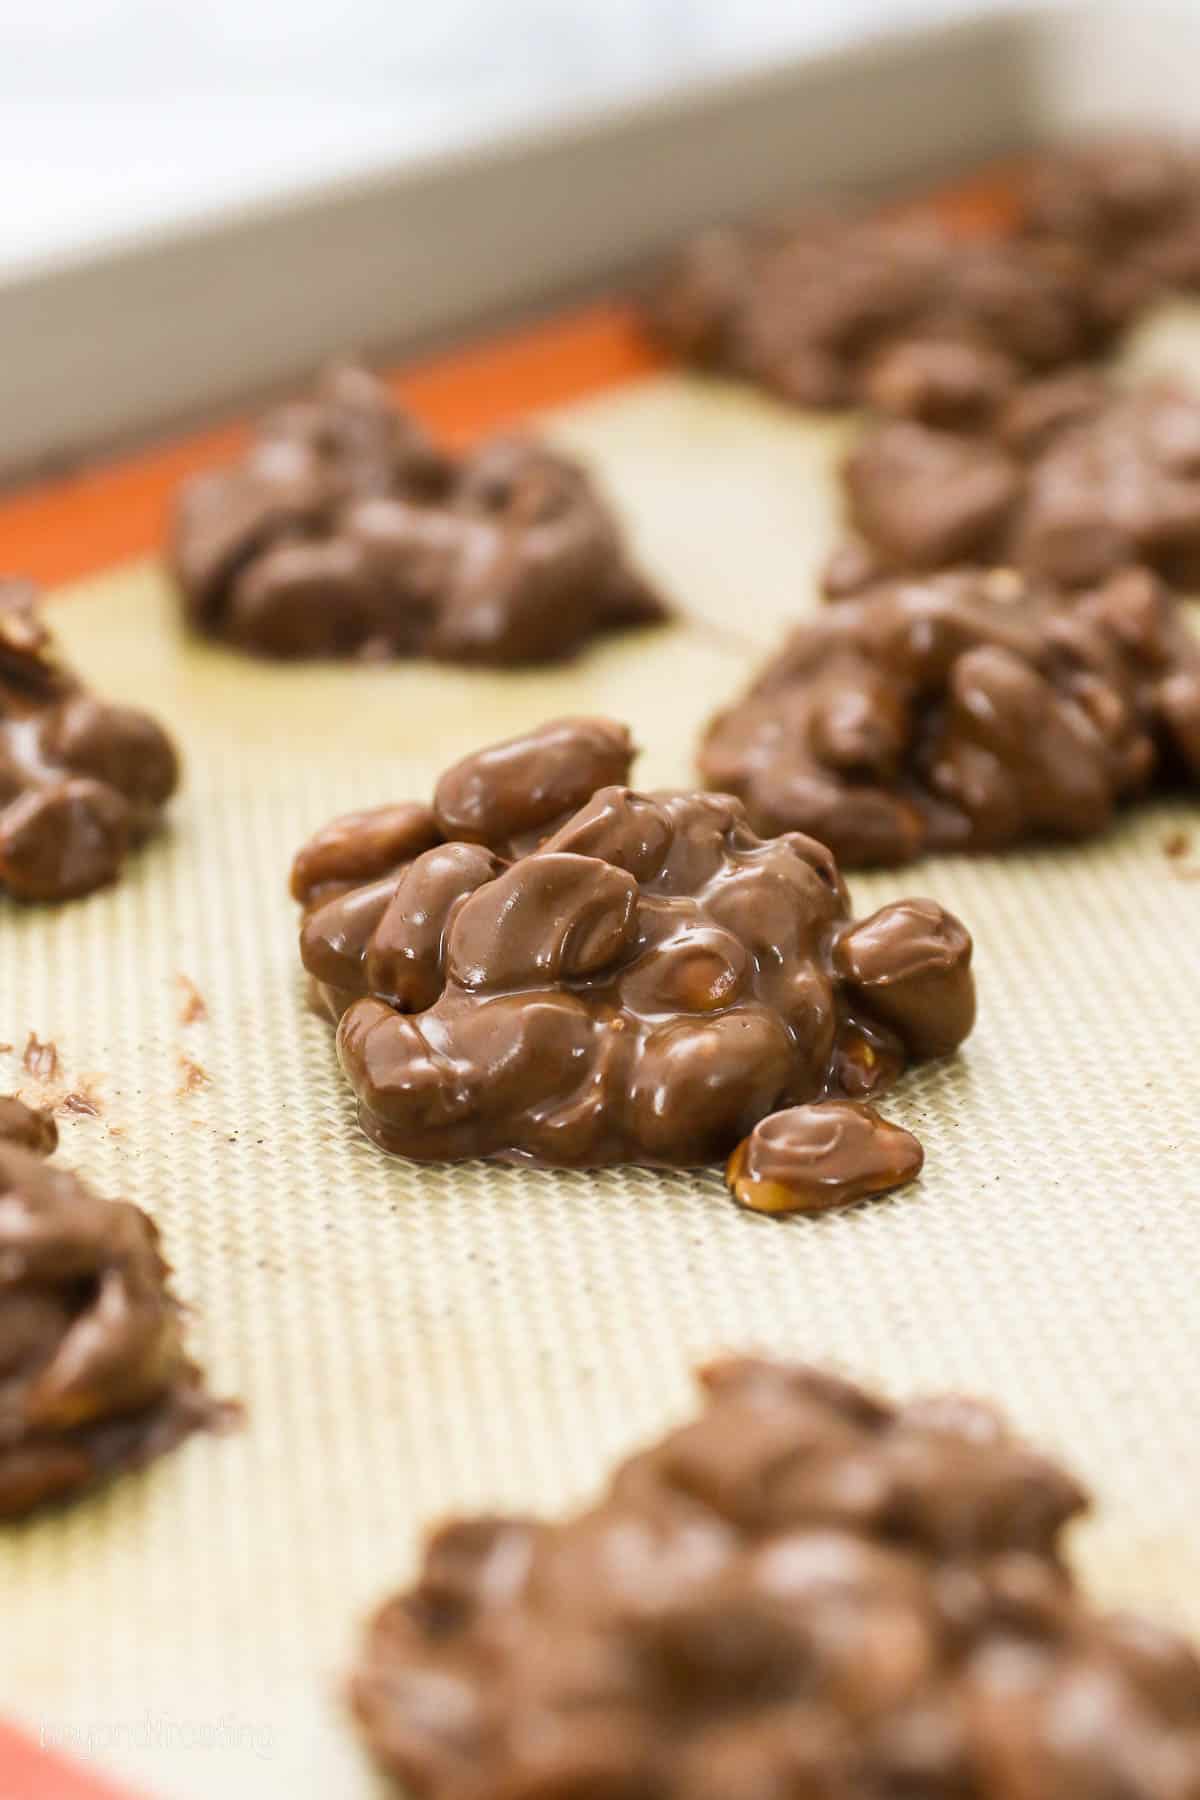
x=123, y=336
x=410, y=1341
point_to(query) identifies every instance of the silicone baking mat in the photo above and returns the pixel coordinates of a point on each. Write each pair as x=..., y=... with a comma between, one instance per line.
x=410, y=1340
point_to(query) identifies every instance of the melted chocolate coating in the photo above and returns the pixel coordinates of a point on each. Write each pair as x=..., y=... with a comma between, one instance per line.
x=829, y=311
x=343, y=532
x=93, y=1374
x=964, y=711
x=813, y=1158
x=559, y=968
x=27, y=1127
x=1078, y=482
x=80, y=780
x=806, y=1592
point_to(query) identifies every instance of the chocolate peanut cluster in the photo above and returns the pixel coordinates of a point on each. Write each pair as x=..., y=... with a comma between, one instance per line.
x=80, y=781
x=832, y=311
x=1132, y=204
x=344, y=532
x=805, y=1592
x=968, y=710
x=93, y=1374
x=548, y=965
x=1077, y=481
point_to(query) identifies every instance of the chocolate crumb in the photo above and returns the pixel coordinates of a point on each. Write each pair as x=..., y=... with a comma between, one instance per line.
x=191, y=1076
x=1177, y=844
x=40, y=1059
x=192, y=1008
x=85, y=1105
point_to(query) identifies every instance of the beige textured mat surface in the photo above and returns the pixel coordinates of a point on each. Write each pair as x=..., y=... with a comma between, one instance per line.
x=409, y=1341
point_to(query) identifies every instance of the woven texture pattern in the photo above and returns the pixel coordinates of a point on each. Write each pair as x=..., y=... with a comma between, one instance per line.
x=410, y=1341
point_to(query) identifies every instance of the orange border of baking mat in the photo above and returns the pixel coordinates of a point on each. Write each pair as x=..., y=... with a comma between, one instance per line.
x=70, y=526
x=28, y=1772
x=61, y=529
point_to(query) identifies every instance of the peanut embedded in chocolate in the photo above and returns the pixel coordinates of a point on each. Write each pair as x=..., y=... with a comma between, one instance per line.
x=813, y=1158
x=559, y=968
x=804, y=1592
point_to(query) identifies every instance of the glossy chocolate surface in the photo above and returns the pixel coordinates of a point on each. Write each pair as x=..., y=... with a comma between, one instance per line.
x=344, y=532
x=805, y=1592
x=548, y=964
x=93, y=1374
x=967, y=710
x=80, y=780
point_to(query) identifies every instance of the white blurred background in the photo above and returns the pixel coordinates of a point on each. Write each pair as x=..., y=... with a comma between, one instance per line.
x=118, y=116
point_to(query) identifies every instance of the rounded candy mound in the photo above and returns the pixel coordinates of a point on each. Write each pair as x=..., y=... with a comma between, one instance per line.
x=548, y=964
x=80, y=780
x=343, y=532
x=805, y=1592
x=967, y=710
x=814, y=1158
